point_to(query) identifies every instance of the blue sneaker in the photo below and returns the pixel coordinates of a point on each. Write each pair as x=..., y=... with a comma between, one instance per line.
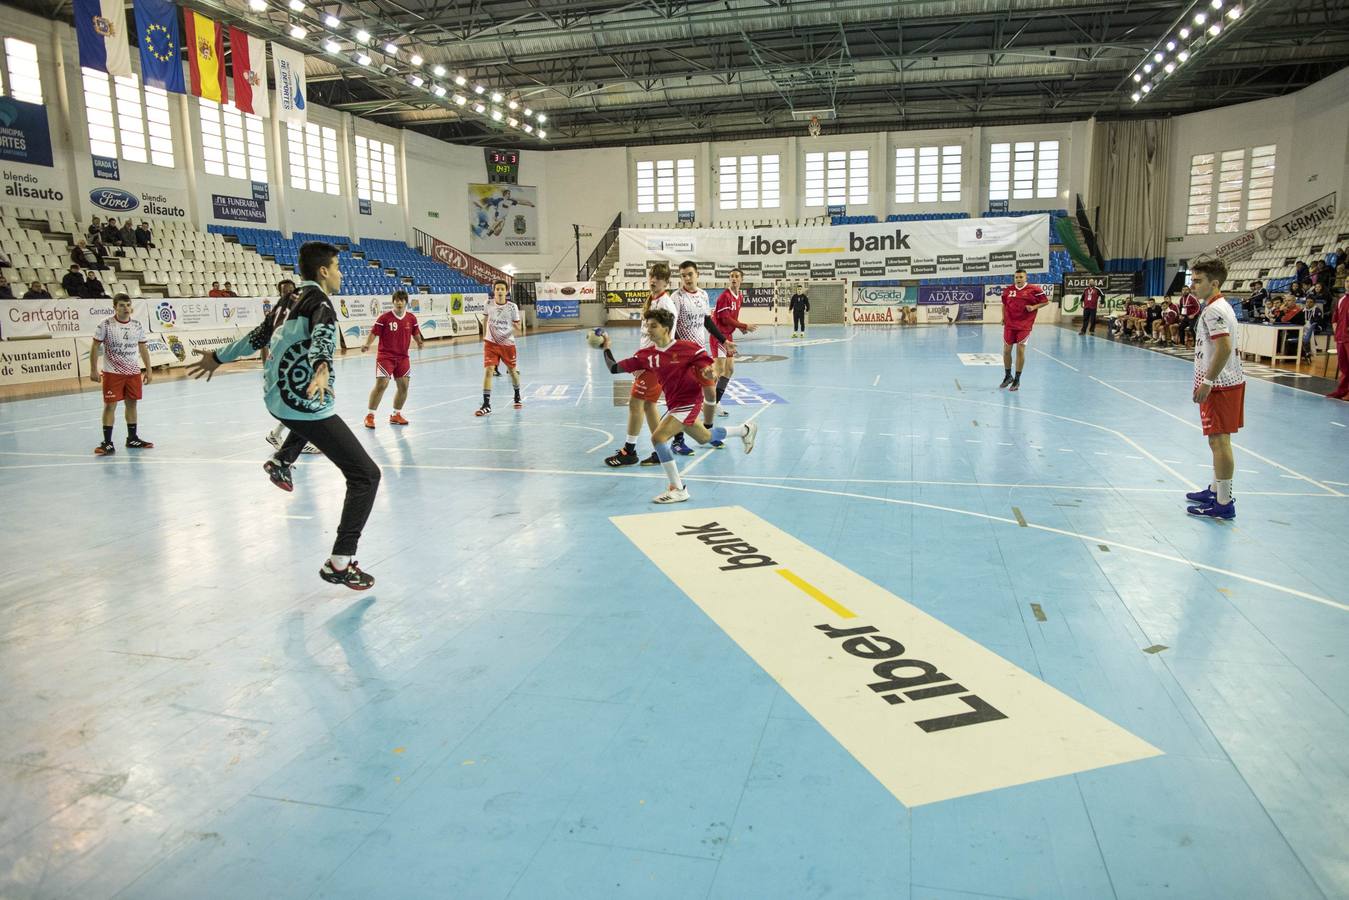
x=1214, y=510
x=1205, y=497
x=681, y=448
x=716, y=445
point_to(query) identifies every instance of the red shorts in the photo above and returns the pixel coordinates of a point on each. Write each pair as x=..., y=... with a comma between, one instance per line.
x=1224, y=410
x=686, y=412
x=1015, y=334
x=646, y=386
x=118, y=387
x=392, y=367
x=493, y=353
x=717, y=348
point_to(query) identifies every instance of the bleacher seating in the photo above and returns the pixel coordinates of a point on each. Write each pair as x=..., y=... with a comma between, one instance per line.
x=1276, y=265
x=375, y=266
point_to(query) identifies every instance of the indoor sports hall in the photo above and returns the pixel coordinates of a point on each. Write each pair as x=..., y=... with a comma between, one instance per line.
x=344, y=561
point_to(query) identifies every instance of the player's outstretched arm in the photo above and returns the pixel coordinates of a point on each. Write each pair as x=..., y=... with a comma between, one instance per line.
x=206, y=364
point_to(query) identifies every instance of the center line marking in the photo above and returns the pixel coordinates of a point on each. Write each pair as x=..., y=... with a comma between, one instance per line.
x=817, y=595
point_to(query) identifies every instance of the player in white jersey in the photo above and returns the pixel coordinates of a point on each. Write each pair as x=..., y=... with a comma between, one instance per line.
x=646, y=387
x=503, y=317
x=122, y=340
x=693, y=323
x=1219, y=387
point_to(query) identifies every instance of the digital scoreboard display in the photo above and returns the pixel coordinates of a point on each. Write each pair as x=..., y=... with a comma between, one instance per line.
x=503, y=166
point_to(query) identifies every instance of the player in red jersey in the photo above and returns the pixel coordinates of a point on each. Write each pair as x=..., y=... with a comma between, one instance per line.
x=395, y=330
x=1020, y=303
x=646, y=387
x=1189, y=313
x=683, y=368
x=727, y=317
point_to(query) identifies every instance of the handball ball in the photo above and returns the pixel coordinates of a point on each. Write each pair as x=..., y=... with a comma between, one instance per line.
x=596, y=338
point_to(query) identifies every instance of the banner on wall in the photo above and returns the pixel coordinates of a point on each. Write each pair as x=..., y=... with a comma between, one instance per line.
x=160, y=203
x=238, y=209
x=470, y=265
x=24, y=134
x=882, y=295
x=106, y=168
x=565, y=290
x=1117, y=290
x=557, y=309
x=365, y=207
x=1289, y=225
x=60, y=317
x=181, y=344
x=952, y=302
x=29, y=361
x=32, y=187
x=938, y=248
x=288, y=67
x=467, y=304
x=753, y=296
x=503, y=218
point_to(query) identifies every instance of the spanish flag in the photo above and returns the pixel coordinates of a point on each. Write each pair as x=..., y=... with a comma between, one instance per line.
x=205, y=56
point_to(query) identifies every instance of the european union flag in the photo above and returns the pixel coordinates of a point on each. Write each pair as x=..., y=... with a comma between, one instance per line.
x=161, y=47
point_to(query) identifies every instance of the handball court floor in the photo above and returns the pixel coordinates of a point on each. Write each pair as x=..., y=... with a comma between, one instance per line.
x=549, y=693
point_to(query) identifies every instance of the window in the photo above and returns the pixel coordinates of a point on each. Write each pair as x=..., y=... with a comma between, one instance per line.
x=22, y=80
x=125, y=120
x=838, y=177
x=1200, y=215
x=1260, y=190
x=1231, y=185
x=376, y=171
x=313, y=157
x=232, y=142
x=927, y=174
x=1023, y=171
x=750, y=182
x=665, y=185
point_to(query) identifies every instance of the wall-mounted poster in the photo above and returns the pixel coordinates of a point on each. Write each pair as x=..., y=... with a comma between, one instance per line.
x=503, y=218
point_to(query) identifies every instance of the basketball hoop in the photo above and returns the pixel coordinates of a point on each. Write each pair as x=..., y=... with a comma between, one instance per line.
x=814, y=127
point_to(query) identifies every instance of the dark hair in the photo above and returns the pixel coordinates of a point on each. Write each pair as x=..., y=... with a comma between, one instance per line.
x=1019, y=272
x=314, y=255
x=400, y=293
x=741, y=271
x=118, y=298
x=1213, y=269
x=501, y=281
x=663, y=316
x=215, y=283
x=289, y=281
x=661, y=271
x=1257, y=281
x=688, y=264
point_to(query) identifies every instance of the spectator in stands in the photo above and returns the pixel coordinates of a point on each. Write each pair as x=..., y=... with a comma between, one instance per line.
x=1255, y=303
x=36, y=291
x=95, y=231
x=1189, y=313
x=86, y=257
x=228, y=291
x=93, y=288
x=6, y=292
x=128, y=234
x=1170, y=323
x=1338, y=258
x=73, y=282
x=1297, y=290
x=111, y=234
x=1301, y=274
x=1152, y=320
x=144, y=237
x=1315, y=315
x=1324, y=276
x=215, y=290
x=1091, y=299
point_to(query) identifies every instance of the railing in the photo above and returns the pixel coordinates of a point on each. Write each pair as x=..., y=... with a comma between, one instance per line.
x=587, y=271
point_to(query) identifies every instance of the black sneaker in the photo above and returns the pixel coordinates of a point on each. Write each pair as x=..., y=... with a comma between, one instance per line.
x=280, y=475
x=136, y=443
x=652, y=460
x=1006, y=381
x=624, y=457
x=107, y=448
x=351, y=576
x=484, y=410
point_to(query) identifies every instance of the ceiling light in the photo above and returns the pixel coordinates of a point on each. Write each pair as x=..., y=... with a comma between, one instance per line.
x=363, y=36
x=529, y=113
x=1200, y=18
x=1184, y=33
x=513, y=122
x=479, y=108
x=1170, y=45
x=391, y=48
x=542, y=118
x=1183, y=55
x=257, y=5
x=363, y=59
x=479, y=89
x=460, y=99
x=1215, y=29
x=529, y=129
x=439, y=90
x=332, y=46
x=1136, y=96
x=1147, y=67
x=460, y=80
x=513, y=105
x=1234, y=13
x=1147, y=89
x=298, y=32
x=1158, y=57
x=496, y=97
x=496, y=115
x=1137, y=77
x=438, y=71
x=331, y=21
x=1216, y=4
x=296, y=5
x=416, y=60
x=1170, y=67
x=543, y=134
x=416, y=80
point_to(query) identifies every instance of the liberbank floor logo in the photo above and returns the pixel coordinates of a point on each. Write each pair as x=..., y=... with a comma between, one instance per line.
x=929, y=712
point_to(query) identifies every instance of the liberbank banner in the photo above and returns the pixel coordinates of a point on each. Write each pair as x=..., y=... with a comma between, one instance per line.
x=940, y=248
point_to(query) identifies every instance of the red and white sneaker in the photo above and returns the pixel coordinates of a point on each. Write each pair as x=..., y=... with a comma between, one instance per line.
x=369, y=420
x=397, y=419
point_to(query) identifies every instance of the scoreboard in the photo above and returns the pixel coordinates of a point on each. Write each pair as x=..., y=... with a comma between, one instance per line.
x=503, y=166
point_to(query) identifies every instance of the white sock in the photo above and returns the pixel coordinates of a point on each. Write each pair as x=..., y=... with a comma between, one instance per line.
x=1224, y=490
x=737, y=430
x=672, y=471
x=372, y=411
x=397, y=412
x=339, y=562
x=632, y=438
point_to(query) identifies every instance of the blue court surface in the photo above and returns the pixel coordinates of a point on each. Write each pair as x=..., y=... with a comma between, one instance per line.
x=557, y=689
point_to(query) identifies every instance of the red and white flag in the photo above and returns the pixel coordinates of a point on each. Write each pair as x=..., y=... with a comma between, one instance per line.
x=250, y=73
